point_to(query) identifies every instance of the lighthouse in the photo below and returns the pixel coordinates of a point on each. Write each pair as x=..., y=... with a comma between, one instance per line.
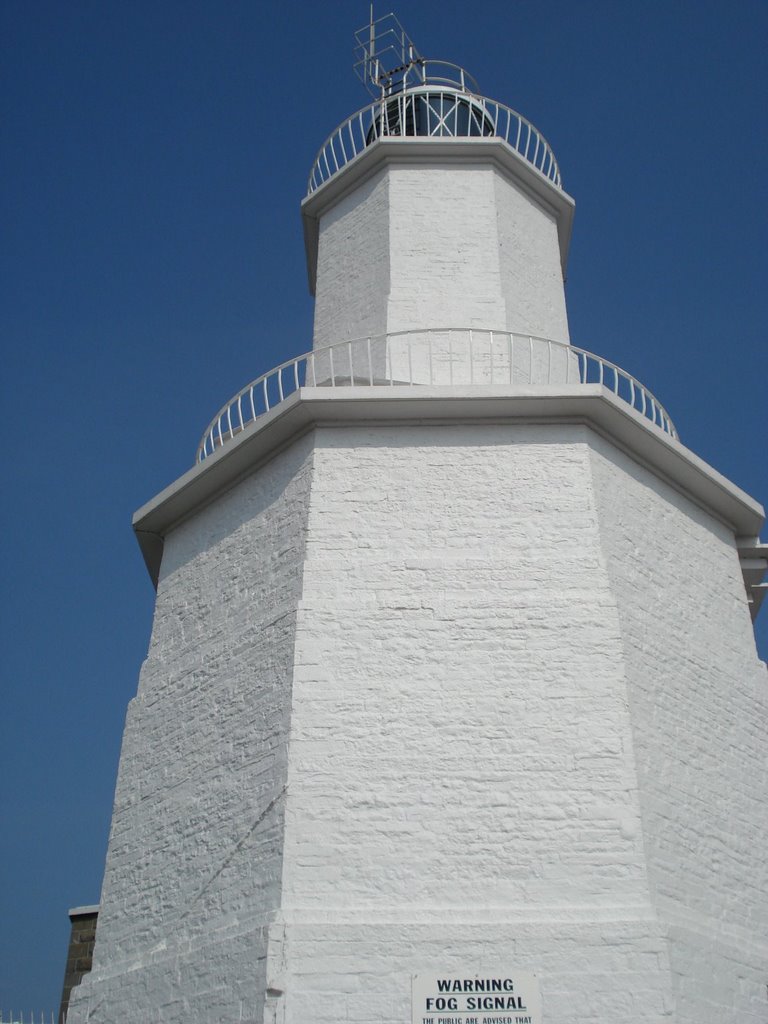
x=452, y=709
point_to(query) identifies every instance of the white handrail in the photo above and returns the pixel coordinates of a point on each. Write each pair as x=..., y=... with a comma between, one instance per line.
x=432, y=111
x=20, y=1017
x=441, y=357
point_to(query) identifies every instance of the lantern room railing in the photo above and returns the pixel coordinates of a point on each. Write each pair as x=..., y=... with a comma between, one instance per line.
x=432, y=112
x=447, y=357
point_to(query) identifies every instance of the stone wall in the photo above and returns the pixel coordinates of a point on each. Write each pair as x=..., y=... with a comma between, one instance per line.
x=353, y=266
x=447, y=697
x=430, y=246
x=462, y=786
x=699, y=703
x=82, y=937
x=193, y=868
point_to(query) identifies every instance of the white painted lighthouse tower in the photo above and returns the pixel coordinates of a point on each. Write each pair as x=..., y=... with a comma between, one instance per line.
x=452, y=709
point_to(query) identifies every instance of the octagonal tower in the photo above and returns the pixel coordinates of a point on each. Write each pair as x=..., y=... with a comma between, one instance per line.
x=452, y=693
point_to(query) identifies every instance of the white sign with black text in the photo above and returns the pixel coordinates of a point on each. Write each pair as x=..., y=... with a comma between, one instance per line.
x=499, y=997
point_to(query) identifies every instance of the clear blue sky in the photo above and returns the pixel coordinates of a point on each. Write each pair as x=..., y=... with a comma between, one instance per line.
x=154, y=156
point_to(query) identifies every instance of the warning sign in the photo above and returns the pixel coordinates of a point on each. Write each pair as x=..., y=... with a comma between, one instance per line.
x=501, y=997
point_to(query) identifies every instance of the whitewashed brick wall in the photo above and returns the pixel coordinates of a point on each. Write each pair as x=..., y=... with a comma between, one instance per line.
x=194, y=862
x=530, y=266
x=444, y=249
x=438, y=246
x=353, y=266
x=699, y=701
x=462, y=790
x=509, y=681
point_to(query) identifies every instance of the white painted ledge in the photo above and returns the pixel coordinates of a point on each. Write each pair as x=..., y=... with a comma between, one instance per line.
x=589, y=404
x=753, y=556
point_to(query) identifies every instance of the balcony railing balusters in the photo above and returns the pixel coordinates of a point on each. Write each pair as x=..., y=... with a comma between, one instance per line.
x=402, y=115
x=426, y=352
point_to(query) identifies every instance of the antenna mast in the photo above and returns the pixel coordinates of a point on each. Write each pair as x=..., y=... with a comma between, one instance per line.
x=386, y=59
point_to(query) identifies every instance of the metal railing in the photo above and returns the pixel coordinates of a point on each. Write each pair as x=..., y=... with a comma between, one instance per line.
x=20, y=1017
x=434, y=112
x=443, y=357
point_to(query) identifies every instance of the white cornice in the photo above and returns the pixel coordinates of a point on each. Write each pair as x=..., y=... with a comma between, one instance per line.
x=588, y=404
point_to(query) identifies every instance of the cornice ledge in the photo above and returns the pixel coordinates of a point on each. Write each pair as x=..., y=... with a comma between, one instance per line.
x=589, y=404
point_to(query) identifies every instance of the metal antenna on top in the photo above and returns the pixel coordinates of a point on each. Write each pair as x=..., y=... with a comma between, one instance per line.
x=386, y=60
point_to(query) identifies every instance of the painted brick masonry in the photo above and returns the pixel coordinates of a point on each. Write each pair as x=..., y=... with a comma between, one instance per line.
x=462, y=790
x=509, y=681
x=699, y=703
x=438, y=246
x=194, y=861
